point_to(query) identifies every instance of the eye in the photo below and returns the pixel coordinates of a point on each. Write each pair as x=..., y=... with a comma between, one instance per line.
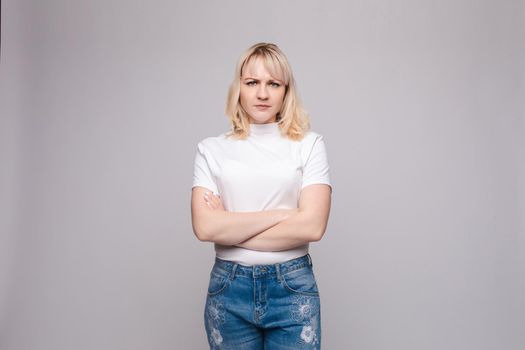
x=251, y=83
x=274, y=84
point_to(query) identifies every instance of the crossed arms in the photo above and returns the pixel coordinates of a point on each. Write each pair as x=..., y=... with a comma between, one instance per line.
x=269, y=230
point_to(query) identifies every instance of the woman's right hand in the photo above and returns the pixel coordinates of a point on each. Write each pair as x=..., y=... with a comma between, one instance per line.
x=213, y=201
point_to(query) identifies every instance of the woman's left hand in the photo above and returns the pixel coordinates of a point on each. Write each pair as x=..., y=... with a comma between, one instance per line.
x=214, y=202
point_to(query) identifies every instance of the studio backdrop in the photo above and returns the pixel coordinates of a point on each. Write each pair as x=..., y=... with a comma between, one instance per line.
x=421, y=106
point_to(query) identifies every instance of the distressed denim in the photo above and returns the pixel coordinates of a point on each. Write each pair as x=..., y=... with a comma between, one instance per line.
x=263, y=306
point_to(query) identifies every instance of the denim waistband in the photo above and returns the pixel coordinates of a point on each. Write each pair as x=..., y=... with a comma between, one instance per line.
x=234, y=268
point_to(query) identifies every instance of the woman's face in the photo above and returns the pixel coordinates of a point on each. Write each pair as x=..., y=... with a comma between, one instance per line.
x=262, y=94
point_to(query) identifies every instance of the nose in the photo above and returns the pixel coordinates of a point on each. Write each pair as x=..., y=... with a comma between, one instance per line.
x=262, y=92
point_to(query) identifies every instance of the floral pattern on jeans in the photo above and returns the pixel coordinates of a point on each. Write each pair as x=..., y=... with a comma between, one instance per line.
x=215, y=317
x=305, y=309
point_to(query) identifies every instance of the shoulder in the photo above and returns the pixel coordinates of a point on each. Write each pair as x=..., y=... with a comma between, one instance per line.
x=312, y=135
x=214, y=142
x=310, y=139
x=311, y=144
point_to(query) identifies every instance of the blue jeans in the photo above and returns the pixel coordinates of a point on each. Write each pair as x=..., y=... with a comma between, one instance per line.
x=263, y=306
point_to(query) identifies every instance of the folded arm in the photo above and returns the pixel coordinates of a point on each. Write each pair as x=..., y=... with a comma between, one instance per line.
x=307, y=225
x=211, y=223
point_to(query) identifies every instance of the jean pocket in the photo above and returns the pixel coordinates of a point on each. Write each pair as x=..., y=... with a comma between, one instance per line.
x=301, y=281
x=218, y=281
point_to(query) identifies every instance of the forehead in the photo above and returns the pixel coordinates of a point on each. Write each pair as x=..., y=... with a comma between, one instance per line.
x=262, y=67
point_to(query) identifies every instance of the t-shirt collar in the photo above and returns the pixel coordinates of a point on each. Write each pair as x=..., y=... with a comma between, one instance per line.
x=265, y=129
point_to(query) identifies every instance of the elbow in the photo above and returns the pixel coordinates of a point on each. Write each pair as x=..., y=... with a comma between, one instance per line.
x=318, y=234
x=205, y=235
x=201, y=233
x=201, y=236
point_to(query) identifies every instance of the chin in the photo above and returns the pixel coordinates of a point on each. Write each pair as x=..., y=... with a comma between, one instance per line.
x=261, y=119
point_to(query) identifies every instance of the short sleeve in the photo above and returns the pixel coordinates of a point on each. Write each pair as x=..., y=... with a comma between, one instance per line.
x=316, y=169
x=202, y=174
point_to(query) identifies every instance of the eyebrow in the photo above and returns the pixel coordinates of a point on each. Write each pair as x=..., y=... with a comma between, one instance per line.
x=272, y=79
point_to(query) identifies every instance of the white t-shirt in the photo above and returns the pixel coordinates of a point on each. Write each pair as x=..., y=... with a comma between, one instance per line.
x=263, y=172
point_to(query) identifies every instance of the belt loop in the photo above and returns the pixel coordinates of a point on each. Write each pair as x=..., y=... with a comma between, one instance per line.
x=278, y=272
x=309, y=259
x=232, y=274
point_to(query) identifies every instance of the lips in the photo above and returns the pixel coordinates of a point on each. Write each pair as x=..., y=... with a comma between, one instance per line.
x=262, y=106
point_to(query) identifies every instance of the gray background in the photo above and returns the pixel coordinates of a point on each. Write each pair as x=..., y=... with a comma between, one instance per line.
x=422, y=107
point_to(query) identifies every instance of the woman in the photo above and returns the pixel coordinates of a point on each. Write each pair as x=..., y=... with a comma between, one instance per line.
x=261, y=193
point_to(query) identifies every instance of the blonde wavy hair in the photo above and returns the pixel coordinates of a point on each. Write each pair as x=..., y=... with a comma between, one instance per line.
x=292, y=119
